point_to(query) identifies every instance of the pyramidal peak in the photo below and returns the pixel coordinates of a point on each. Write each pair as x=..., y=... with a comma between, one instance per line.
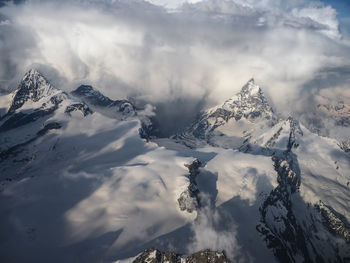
x=251, y=88
x=33, y=80
x=250, y=102
x=31, y=73
x=33, y=87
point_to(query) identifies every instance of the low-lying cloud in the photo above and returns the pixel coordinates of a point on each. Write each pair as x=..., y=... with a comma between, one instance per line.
x=166, y=51
x=208, y=235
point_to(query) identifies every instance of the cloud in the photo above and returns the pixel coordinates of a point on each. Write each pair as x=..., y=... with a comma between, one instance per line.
x=181, y=50
x=209, y=233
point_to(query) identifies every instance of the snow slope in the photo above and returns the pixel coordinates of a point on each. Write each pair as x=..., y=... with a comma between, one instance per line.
x=78, y=185
x=86, y=189
x=311, y=170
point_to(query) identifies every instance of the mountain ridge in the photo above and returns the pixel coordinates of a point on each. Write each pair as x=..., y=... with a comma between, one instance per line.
x=277, y=193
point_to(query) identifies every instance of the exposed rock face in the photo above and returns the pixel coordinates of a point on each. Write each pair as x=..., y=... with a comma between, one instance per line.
x=36, y=98
x=285, y=231
x=345, y=145
x=278, y=224
x=189, y=199
x=250, y=103
x=280, y=138
x=334, y=222
x=217, y=126
x=78, y=107
x=205, y=256
x=95, y=99
x=32, y=87
x=12, y=151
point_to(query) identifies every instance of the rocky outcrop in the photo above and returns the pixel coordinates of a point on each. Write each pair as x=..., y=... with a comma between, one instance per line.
x=294, y=130
x=345, y=145
x=78, y=107
x=96, y=100
x=189, y=199
x=14, y=150
x=334, y=222
x=205, y=256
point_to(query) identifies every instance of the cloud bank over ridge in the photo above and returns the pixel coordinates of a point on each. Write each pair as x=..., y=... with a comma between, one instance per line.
x=178, y=49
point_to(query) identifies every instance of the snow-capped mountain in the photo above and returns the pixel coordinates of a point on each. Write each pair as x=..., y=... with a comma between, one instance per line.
x=32, y=106
x=33, y=88
x=227, y=125
x=96, y=100
x=79, y=184
x=291, y=220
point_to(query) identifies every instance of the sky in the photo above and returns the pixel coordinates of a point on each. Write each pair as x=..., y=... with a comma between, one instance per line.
x=343, y=10
x=181, y=56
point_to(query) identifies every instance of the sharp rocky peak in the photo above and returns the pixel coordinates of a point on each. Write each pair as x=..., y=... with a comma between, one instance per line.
x=33, y=87
x=251, y=89
x=33, y=80
x=249, y=103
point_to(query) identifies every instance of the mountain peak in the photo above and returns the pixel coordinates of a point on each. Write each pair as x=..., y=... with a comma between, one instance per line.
x=250, y=88
x=33, y=79
x=33, y=76
x=32, y=87
x=92, y=96
x=32, y=73
x=95, y=99
x=250, y=102
x=84, y=88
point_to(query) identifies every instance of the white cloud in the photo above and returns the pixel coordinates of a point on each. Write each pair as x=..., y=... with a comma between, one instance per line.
x=209, y=48
x=172, y=3
x=206, y=234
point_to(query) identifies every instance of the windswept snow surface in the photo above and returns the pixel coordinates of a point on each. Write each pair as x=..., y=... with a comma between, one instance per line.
x=89, y=189
x=81, y=186
x=95, y=190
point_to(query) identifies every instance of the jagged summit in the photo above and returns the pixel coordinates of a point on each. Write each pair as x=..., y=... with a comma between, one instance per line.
x=282, y=194
x=31, y=72
x=249, y=103
x=36, y=99
x=250, y=85
x=33, y=80
x=92, y=96
x=251, y=88
x=98, y=101
x=33, y=87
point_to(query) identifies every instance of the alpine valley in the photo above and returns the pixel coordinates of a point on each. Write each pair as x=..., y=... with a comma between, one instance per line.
x=84, y=179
